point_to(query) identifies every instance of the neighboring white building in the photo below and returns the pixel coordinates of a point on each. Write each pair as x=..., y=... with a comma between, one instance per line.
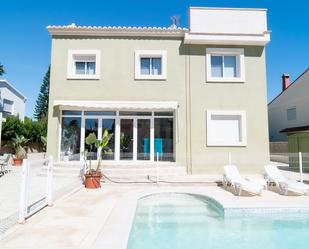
x=12, y=101
x=290, y=109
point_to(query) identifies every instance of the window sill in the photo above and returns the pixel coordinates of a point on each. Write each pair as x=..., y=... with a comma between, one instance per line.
x=150, y=77
x=242, y=144
x=83, y=77
x=226, y=80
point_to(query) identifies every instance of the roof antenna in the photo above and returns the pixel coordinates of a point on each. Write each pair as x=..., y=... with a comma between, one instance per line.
x=175, y=21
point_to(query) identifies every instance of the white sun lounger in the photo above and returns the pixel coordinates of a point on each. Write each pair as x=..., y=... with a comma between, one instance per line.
x=232, y=175
x=284, y=184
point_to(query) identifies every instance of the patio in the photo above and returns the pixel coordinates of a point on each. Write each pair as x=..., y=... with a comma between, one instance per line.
x=102, y=218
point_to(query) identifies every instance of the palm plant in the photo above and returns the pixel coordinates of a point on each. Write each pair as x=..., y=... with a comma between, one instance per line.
x=90, y=140
x=101, y=145
x=18, y=142
x=44, y=141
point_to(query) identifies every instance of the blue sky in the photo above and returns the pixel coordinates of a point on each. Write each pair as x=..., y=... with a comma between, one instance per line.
x=25, y=42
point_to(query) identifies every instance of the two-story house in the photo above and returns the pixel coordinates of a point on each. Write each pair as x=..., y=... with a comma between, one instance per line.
x=185, y=96
x=12, y=101
x=288, y=112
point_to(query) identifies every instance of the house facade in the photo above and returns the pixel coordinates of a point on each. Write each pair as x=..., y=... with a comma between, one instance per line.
x=289, y=112
x=176, y=95
x=12, y=102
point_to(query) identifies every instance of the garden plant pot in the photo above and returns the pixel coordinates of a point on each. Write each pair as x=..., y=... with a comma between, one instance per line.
x=93, y=180
x=17, y=162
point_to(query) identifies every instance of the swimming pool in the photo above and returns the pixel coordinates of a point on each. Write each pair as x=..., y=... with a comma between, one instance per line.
x=183, y=221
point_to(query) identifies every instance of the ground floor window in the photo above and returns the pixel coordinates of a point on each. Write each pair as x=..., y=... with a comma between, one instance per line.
x=136, y=136
x=70, y=138
x=226, y=128
x=163, y=141
x=91, y=126
x=109, y=125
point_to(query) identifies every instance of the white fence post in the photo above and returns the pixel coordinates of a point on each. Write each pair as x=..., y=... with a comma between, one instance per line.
x=157, y=167
x=24, y=192
x=49, y=184
x=300, y=166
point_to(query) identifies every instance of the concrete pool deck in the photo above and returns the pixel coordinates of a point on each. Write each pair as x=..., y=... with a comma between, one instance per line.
x=102, y=218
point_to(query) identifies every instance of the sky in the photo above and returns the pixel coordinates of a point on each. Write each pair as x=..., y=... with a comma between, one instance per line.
x=25, y=42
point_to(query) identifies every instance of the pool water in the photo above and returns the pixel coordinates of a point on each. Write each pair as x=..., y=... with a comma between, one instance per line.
x=181, y=221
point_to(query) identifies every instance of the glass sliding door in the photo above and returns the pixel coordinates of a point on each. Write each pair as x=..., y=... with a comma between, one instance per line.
x=126, y=139
x=164, y=139
x=70, y=138
x=143, y=139
x=91, y=126
x=109, y=125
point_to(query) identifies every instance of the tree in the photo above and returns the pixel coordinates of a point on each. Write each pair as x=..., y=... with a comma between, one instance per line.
x=41, y=106
x=1, y=69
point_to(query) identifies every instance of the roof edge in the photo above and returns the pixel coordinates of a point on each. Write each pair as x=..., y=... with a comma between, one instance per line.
x=227, y=8
x=288, y=87
x=14, y=88
x=115, y=30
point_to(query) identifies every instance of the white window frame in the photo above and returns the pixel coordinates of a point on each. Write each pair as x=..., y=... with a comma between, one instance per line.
x=117, y=118
x=243, y=130
x=71, y=74
x=12, y=106
x=150, y=54
x=240, y=64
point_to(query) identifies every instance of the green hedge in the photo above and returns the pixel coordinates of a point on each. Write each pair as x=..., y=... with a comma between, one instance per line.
x=30, y=129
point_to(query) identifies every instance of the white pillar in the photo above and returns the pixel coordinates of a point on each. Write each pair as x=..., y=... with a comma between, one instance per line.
x=117, y=139
x=152, y=139
x=49, y=183
x=157, y=162
x=300, y=166
x=24, y=190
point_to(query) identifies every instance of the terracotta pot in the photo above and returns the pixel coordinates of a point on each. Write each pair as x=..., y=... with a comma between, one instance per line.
x=17, y=162
x=92, y=180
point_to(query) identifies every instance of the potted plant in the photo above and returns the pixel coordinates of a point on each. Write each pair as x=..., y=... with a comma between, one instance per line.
x=20, y=152
x=93, y=176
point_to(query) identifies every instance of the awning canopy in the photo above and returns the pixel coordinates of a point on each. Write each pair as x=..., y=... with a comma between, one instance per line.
x=296, y=129
x=116, y=105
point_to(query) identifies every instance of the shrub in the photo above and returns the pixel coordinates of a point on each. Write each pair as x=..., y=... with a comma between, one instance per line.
x=31, y=130
x=11, y=127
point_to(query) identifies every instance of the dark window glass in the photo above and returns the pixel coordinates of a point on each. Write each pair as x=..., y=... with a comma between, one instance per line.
x=164, y=114
x=164, y=139
x=143, y=139
x=72, y=113
x=70, y=139
x=126, y=139
x=125, y=113
x=91, y=126
x=109, y=125
x=99, y=113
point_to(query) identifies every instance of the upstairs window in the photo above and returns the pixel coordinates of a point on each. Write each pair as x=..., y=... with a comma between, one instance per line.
x=83, y=64
x=291, y=114
x=150, y=64
x=8, y=106
x=225, y=65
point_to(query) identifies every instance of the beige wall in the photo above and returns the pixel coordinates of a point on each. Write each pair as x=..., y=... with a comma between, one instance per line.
x=117, y=79
x=295, y=96
x=249, y=96
x=185, y=84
